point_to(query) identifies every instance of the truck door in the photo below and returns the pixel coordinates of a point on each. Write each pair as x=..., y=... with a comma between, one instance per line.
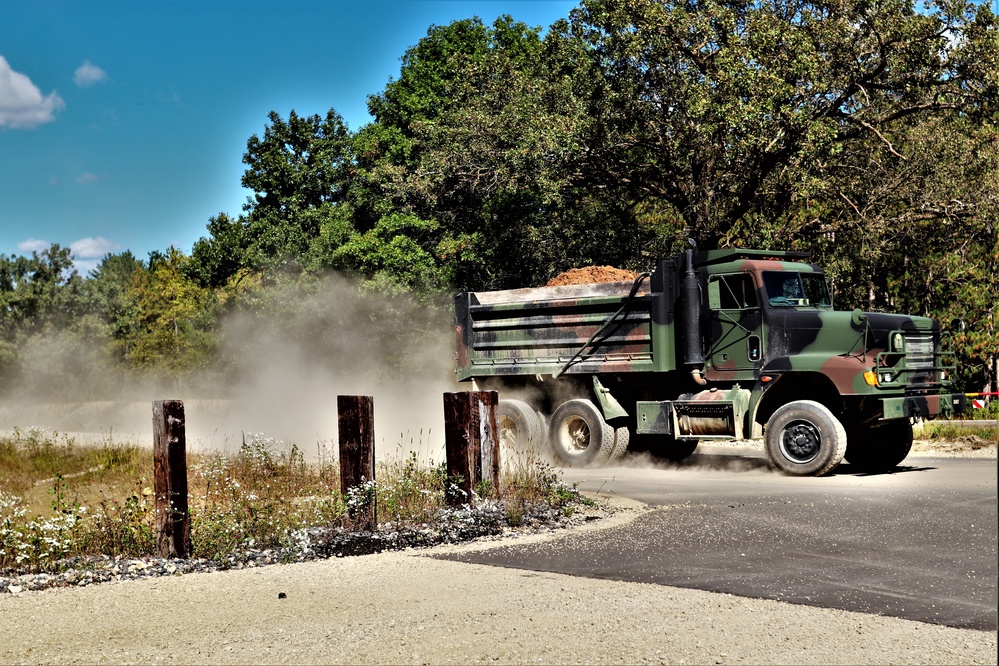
x=736, y=325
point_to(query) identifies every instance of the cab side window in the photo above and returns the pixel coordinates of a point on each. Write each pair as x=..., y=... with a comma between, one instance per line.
x=732, y=292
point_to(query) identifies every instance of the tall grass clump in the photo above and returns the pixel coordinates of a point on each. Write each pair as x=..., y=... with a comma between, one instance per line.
x=259, y=497
x=408, y=491
x=76, y=500
x=529, y=481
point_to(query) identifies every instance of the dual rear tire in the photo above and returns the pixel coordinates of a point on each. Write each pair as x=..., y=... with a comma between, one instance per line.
x=521, y=431
x=879, y=447
x=577, y=434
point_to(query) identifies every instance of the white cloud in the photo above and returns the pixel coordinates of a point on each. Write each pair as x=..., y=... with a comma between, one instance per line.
x=87, y=253
x=92, y=248
x=87, y=177
x=22, y=105
x=33, y=245
x=89, y=74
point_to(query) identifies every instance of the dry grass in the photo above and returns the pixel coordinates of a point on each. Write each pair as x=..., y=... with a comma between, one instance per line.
x=59, y=499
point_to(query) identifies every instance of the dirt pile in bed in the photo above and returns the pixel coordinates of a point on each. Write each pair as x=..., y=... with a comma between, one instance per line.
x=591, y=274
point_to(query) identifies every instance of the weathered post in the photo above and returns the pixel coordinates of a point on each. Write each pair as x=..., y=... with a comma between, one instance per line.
x=356, y=426
x=489, y=447
x=470, y=443
x=173, y=527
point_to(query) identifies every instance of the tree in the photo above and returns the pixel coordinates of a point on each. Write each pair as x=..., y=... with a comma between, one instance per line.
x=731, y=110
x=220, y=256
x=107, y=293
x=918, y=232
x=299, y=172
x=38, y=292
x=174, y=317
x=40, y=298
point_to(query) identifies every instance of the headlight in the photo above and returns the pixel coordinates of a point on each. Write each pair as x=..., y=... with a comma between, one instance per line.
x=897, y=342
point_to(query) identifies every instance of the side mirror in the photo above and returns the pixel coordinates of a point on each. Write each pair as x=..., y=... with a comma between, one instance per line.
x=858, y=317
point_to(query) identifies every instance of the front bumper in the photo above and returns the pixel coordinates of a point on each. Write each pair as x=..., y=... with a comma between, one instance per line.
x=944, y=404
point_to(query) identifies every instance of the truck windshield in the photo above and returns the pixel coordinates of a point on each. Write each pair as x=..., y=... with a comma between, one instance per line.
x=788, y=288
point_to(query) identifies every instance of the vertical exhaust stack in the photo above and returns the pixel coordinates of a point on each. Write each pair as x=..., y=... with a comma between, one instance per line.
x=689, y=318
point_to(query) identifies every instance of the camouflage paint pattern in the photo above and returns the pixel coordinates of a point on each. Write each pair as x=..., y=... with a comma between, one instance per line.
x=747, y=337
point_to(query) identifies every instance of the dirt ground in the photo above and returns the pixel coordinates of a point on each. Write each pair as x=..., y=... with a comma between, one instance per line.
x=410, y=608
x=591, y=274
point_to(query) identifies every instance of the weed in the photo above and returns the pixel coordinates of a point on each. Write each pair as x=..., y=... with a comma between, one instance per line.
x=974, y=436
x=266, y=495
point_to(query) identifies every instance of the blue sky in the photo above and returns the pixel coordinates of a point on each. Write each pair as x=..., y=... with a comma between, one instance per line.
x=123, y=123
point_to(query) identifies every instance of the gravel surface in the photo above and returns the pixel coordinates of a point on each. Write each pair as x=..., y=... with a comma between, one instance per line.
x=400, y=605
x=407, y=607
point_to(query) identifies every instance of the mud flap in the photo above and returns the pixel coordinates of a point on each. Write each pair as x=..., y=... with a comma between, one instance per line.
x=609, y=405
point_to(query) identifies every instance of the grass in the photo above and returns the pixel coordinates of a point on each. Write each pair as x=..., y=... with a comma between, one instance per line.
x=60, y=499
x=971, y=436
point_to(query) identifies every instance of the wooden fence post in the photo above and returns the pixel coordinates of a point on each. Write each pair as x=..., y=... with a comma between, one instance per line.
x=173, y=527
x=471, y=444
x=356, y=426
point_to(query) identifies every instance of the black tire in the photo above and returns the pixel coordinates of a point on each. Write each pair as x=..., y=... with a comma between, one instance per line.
x=579, y=436
x=803, y=438
x=622, y=437
x=521, y=431
x=879, y=447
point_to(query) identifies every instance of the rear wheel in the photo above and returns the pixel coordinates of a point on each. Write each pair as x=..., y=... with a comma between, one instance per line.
x=879, y=447
x=579, y=436
x=804, y=438
x=521, y=431
x=622, y=437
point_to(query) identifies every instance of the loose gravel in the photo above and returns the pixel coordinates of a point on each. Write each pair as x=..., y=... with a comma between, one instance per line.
x=453, y=526
x=401, y=605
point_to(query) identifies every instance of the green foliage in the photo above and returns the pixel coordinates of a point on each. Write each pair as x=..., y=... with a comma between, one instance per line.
x=397, y=254
x=499, y=157
x=172, y=330
x=39, y=295
x=727, y=108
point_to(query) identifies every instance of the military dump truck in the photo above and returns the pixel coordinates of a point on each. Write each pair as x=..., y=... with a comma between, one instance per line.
x=712, y=345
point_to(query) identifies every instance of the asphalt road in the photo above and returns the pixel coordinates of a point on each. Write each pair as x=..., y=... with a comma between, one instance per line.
x=919, y=543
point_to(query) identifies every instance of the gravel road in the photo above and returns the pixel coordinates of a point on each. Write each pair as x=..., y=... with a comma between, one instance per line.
x=407, y=607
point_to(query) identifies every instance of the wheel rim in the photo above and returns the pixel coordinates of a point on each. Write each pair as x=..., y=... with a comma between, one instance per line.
x=800, y=442
x=508, y=432
x=574, y=436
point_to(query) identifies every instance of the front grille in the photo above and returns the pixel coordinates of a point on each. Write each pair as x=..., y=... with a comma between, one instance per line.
x=919, y=350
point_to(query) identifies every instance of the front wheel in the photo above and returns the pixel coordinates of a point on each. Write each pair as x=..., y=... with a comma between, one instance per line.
x=579, y=435
x=804, y=438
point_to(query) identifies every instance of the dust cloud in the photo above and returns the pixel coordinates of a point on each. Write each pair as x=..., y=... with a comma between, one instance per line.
x=280, y=369
x=735, y=457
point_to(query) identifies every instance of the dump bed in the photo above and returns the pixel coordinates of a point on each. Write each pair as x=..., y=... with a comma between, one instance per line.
x=574, y=329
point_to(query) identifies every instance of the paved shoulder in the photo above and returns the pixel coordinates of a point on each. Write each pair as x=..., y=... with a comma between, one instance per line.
x=919, y=544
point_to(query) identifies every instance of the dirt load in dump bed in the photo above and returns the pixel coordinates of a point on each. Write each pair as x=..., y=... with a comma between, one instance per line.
x=591, y=274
